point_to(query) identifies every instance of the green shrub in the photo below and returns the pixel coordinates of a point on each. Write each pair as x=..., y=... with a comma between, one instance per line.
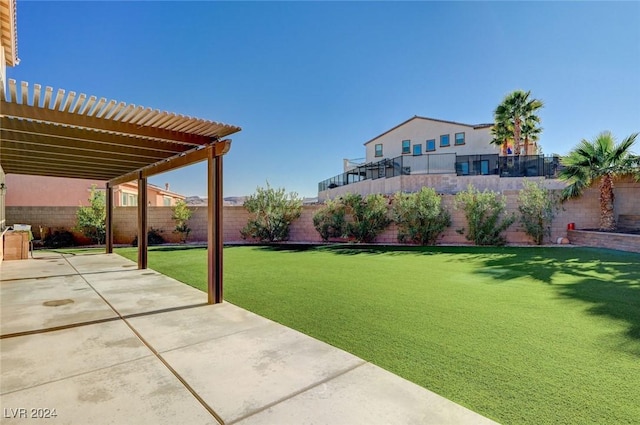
x=153, y=238
x=181, y=215
x=271, y=212
x=366, y=217
x=329, y=221
x=91, y=220
x=537, y=207
x=485, y=216
x=59, y=239
x=420, y=216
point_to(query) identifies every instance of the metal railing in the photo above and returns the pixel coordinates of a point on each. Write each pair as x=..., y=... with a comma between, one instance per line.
x=462, y=165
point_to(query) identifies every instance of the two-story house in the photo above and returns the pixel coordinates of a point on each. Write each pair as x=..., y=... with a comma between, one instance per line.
x=422, y=151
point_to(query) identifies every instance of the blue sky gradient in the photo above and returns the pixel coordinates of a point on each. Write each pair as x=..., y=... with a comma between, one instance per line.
x=310, y=82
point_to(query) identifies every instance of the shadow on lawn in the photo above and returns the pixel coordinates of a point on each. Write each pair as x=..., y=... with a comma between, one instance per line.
x=609, y=281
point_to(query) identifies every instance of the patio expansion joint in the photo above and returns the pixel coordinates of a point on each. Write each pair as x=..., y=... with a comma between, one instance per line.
x=78, y=374
x=297, y=393
x=154, y=351
x=214, y=338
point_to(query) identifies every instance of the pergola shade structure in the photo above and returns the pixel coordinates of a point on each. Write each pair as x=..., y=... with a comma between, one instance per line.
x=61, y=134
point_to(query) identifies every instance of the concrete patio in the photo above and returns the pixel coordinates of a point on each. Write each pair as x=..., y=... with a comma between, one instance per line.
x=102, y=342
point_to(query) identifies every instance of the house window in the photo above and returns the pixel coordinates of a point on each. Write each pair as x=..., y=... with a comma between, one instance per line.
x=417, y=149
x=463, y=168
x=129, y=199
x=444, y=140
x=481, y=167
x=166, y=201
x=431, y=145
x=459, y=138
x=379, y=149
x=406, y=146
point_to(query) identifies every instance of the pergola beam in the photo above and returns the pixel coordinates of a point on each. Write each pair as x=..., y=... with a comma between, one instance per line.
x=178, y=161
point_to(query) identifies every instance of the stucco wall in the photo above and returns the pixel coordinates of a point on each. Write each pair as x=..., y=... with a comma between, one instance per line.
x=584, y=212
x=34, y=191
x=419, y=130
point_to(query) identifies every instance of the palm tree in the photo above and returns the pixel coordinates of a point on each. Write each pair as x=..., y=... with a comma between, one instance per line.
x=502, y=135
x=600, y=160
x=531, y=132
x=515, y=110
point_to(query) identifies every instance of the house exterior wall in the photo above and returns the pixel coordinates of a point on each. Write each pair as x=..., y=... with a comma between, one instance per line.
x=34, y=191
x=418, y=130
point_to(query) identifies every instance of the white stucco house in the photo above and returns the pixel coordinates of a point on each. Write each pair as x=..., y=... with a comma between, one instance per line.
x=443, y=154
x=422, y=135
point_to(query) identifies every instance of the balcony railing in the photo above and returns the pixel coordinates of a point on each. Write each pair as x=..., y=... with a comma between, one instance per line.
x=462, y=165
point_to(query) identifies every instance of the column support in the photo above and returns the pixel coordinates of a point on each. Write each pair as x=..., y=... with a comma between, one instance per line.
x=142, y=222
x=214, y=228
x=109, y=219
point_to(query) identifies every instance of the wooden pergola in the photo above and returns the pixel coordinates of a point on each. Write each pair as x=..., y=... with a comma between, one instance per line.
x=61, y=134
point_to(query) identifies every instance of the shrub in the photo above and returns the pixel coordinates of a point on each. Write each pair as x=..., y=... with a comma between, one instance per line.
x=153, y=238
x=537, y=207
x=59, y=239
x=91, y=220
x=485, y=216
x=419, y=216
x=329, y=221
x=181, y=215
x=271, y=212
x=366, y=217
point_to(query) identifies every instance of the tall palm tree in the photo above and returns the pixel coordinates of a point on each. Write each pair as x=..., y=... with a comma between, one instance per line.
x=601, y=161
x=502, y=135
x=531, y=132
x=517, y=108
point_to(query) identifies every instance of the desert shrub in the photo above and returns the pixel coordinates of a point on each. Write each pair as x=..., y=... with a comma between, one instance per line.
x=153, y=238
x=59, y=239
x=537, y=207
x=329, y=221
x=271, y=212
x=181, y=214
x=420, y=216
x=485, y=214
x=91, y=220
x=366, y=217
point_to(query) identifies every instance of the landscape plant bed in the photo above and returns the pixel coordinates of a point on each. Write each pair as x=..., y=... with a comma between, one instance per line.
x=522, y=335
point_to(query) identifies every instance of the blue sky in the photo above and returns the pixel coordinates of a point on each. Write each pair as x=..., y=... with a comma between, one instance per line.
x=310, y=82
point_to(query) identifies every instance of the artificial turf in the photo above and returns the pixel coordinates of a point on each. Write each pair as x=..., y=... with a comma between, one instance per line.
x=521, y=335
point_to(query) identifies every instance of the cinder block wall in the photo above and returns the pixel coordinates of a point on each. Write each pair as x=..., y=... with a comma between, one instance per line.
x=584, y=212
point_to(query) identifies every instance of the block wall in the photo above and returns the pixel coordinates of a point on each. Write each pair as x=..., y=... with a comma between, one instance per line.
x=584, y=212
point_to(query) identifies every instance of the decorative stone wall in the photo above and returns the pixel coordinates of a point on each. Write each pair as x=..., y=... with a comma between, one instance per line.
x=621, y=241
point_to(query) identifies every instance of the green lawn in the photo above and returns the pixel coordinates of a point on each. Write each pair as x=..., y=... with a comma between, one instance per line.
x=521, y=335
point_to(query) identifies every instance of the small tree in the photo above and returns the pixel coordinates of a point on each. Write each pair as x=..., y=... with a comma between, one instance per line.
x=420, y=216
x=366, y=217
x=484, y=212
x=329, y=221
x=181, y=215
x=537, y=206
x=91, y=220
x=271, y=213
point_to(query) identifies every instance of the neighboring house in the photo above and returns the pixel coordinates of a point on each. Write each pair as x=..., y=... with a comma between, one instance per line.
x=38, y=191
x=423, y=151
x=421, y=135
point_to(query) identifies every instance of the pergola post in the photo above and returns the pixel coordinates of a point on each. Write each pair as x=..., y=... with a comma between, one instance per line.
x=142, y=221
x=109, y=219
x=214, y=227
